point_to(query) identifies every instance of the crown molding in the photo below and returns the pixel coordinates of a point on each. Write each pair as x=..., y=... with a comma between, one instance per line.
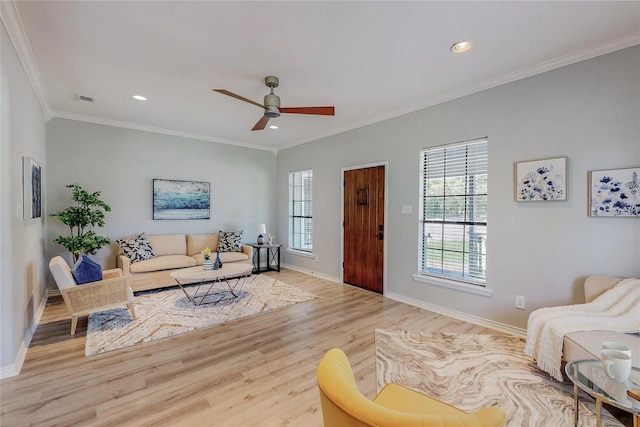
x=11, y=19
x=153, y=129
x=583, y=55
x=12, y=22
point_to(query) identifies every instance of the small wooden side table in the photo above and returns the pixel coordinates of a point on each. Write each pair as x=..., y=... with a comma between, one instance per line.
x=273, y=257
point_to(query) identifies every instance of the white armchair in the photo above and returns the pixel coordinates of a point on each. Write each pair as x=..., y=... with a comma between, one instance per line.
x=110, y=292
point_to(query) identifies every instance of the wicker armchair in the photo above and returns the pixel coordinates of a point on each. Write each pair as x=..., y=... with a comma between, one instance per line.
x=110, y=292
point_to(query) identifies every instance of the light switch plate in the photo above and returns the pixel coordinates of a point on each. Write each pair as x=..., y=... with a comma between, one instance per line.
x=407, y=209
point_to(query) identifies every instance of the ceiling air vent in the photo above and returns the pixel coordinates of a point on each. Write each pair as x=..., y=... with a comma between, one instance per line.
x=84, y=98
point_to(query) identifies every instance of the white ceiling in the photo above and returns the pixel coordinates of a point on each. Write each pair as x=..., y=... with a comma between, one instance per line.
x=372, y=60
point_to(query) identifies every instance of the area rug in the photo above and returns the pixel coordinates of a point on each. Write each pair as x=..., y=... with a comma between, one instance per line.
x=167, y=312
x=474, y=371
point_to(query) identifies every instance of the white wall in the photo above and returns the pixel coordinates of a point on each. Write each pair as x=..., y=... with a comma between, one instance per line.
x=22, y=268
x=588, y=111
x=122, y=163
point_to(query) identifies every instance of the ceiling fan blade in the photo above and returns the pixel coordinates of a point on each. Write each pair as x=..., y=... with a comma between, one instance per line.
x=233, y=95
x=321, y=111
x=261, y=123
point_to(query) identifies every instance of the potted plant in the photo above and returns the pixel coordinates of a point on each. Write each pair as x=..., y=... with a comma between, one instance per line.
x=208, y=262
x=88, y=211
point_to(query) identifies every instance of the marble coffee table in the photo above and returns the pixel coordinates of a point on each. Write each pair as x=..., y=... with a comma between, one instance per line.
x=230, y=278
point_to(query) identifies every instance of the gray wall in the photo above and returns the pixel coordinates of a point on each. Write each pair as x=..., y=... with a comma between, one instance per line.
x=22, y=269
x=588, y=112
x=122, y=163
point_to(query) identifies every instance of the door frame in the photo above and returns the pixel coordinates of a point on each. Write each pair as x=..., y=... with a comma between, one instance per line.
x=385, y=164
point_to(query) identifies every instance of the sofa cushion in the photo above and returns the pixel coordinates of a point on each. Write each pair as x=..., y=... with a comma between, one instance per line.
x=136, y=248
x=197, y=242
x=86, y=271
x=230, y=241
x=168, y=244
x=224, y=257
x=233, y=256
x=165, y=262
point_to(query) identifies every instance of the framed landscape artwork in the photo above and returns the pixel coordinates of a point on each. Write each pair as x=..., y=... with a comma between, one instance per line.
x=541, y=180
x=31, y=188
x=174, y=199
x=615, y=193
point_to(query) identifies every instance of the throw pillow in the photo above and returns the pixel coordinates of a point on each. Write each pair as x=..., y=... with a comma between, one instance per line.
x=86, y=271
x=230, y=241
x=136, y=248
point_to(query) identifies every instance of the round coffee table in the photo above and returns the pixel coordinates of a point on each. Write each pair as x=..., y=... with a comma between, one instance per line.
x=228, y=278
x=589, y=376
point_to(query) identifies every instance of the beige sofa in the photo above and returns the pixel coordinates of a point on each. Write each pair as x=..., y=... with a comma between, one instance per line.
x=587, y=344
x=174, y=251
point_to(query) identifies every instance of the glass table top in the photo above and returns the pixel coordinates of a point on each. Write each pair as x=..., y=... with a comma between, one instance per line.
x=589, y=376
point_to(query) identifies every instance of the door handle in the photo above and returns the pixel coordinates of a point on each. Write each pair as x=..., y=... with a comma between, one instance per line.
x=380, y=236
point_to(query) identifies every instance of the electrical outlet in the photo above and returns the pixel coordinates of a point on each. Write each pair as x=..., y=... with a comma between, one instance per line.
x=520, y=302
x=317, y=258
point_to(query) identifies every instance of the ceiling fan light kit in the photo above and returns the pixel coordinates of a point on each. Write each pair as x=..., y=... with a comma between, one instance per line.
x=272, y=107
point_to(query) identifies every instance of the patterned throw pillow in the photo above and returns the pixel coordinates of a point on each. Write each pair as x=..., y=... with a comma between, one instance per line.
x=230, y=241
x=136, y=248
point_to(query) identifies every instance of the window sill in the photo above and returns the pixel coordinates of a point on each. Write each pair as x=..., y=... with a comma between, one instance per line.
x=452, y=284
x=300, y=253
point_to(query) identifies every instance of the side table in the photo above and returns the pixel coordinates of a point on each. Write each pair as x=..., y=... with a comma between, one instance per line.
x=589, y=376
x=273, y=257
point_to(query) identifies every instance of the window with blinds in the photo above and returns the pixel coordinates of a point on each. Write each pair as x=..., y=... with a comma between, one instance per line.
x=300, y=210
x=453, y=211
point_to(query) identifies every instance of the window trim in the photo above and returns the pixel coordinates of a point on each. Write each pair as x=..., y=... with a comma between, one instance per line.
x=464, y=283
x=290, y=248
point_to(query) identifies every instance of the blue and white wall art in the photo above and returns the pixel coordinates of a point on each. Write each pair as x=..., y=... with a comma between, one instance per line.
x=541, y=180
x=615, y=193
x=173, y=199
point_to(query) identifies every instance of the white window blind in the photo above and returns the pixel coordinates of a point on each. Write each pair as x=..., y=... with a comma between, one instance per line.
x=454, y=211
x=300, y=210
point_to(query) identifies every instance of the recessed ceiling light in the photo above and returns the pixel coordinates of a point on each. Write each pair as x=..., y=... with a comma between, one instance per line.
x=139, y=97
x=461, y=47
x=273, y=126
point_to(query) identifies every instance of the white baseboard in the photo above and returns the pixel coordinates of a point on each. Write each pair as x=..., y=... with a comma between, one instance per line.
x=487, y=323
x=53, y=293
x=312, y=273
x=476, y=320
x=15, y=368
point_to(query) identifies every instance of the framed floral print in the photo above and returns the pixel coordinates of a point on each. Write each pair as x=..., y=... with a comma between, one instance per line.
x=614, y=193
x=541, y=180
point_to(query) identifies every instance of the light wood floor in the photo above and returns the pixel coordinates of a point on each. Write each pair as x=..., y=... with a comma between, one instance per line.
x=257, y=371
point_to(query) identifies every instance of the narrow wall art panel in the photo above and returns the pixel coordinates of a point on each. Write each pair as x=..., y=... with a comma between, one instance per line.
x=31, y=188
x=541, y=180
x=615, y=193
x=174, y=199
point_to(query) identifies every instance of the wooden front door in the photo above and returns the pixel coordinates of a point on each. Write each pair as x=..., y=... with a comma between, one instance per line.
x=364, y=228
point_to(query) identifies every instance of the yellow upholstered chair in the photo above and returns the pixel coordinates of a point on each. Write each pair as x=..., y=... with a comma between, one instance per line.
x=344, y=406
x=110, y=292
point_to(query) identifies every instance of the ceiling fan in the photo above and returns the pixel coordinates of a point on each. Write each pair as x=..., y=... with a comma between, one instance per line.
x=272, y=104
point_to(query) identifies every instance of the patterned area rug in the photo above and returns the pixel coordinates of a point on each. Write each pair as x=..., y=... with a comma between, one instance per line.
x=167, y=312
x=473, y=371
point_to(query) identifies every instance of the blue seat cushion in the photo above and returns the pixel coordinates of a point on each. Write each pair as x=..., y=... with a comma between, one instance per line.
x=86, y=271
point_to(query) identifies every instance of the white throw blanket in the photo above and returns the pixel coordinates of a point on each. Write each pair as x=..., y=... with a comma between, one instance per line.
x=618, y=309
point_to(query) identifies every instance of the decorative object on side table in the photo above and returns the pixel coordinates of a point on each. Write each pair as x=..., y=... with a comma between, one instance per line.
x=217, y=264
x=262, y=229
x=208, y=263
x=87, y=212
x=270, y=239
x=541, y=180
x=615, y=193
